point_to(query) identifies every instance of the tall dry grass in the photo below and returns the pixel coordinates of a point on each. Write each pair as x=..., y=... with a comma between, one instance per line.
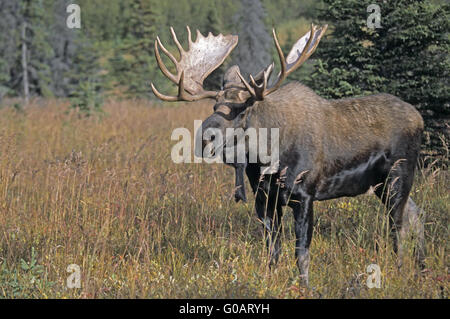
x=103, y=193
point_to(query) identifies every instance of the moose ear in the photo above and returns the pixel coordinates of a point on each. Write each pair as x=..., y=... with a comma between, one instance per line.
x=231, y=78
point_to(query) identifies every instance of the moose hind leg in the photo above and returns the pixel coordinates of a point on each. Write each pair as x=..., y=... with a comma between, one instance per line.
x=412, y=225
x=303, y=215
x=395, y=195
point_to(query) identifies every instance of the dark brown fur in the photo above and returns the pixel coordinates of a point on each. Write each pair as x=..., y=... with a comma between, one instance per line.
x=328, y=149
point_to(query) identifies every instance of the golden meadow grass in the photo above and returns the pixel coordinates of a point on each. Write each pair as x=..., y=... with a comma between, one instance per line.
x=103, y=193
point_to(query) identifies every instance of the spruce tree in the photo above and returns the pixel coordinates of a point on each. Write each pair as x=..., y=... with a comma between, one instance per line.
x=25, y=51
x=66, y=44
x=253, y=53
x=8, y=52
x=87, y=82
x=134, y=62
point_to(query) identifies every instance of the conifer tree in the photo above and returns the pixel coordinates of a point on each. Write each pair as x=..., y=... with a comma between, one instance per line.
x=408, y=56
x=255, y=44
x=134, y=62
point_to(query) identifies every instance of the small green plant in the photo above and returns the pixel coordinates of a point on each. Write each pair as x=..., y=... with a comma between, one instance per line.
x=18, y=107
x=26, y=281
x=32, y=267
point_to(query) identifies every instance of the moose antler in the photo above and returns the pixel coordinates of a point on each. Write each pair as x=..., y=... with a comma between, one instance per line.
x=204, y=56
x=300, y=52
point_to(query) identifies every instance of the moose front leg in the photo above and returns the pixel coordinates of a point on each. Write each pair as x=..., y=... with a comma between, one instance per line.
x=239, y=193
x=273, y=234
x=271, y=219
x=303, y=215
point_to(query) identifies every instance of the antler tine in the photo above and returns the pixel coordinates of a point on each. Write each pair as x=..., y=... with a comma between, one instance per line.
x=177, y=43
x=189, y=36
x=166, y=52
x=163, y=96
x=283, y=64
x=247, y=86
x=182, y=94
x=267, y=73
x=258, y=91
x=306, y=50
x=312, y=40
x=320, y=33
x=253, y=81
x=261, y=88
x=160, y=62
x=181, y=91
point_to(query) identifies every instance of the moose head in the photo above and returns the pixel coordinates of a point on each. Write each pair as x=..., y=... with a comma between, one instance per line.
x=327, y=148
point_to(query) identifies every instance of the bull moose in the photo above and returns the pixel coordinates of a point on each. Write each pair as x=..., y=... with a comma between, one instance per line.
x=327, y=148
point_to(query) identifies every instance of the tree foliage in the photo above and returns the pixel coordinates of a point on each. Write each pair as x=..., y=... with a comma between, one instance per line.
x=407, y=56
x=113, y=52
x=133, y=63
